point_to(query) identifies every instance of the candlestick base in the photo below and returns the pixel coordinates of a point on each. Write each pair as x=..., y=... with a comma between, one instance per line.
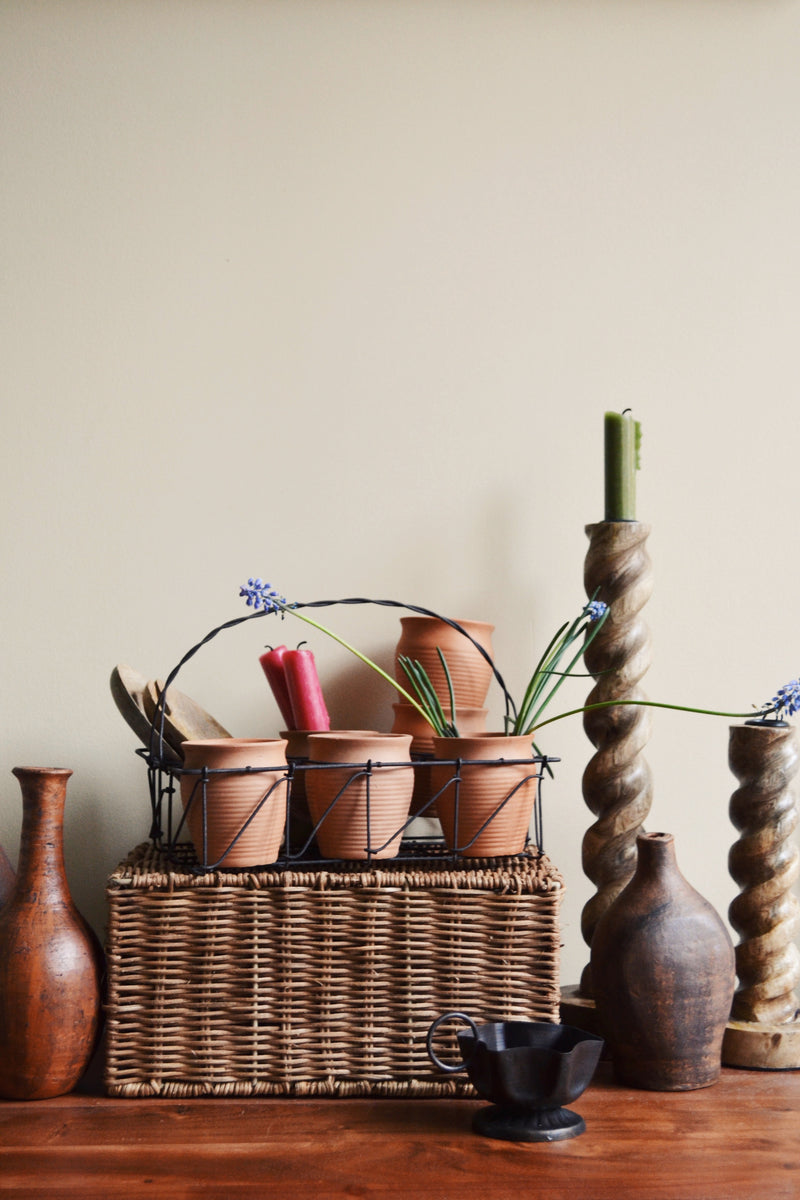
x=579, y=1010
x=760, y=1046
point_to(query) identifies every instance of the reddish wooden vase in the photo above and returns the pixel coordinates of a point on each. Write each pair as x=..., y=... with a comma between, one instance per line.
x=663, y=975
x=51, y=963
x=6, y=877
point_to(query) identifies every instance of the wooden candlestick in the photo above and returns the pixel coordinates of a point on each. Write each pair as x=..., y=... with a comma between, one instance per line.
x=764, y=1030
x=617, y=785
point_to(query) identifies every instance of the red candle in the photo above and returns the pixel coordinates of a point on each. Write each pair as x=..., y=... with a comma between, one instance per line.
x=274, y=669
x=305, y=693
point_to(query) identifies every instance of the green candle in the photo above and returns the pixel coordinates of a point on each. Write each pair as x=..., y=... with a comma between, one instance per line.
x=623, y=437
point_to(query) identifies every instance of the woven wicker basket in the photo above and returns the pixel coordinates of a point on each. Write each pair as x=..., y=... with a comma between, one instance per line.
x=318, y=983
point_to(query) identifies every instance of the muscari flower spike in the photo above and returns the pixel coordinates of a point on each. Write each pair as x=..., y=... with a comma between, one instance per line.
x=258, y=594
x=787, y=699
x=595, y=609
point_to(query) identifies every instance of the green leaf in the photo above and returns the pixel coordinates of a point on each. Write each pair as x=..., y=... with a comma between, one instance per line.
x=426, y=694
x=446, y=669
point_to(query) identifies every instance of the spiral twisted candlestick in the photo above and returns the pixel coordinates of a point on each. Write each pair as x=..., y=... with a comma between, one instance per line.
x=765, y=862
x=617, y=785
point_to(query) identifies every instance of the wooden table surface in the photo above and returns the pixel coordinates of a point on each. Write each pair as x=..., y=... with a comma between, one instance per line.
x=738, y=1139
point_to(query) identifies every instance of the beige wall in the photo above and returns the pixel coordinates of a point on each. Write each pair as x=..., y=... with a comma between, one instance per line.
x=337, y=293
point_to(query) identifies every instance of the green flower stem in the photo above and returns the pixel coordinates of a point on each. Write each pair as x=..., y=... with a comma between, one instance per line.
x=535, y=701
x=708, y=712
x=539, y=680
x=530, y=721
x=368, y=661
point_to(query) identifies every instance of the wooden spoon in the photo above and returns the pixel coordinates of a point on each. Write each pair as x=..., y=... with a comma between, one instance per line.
x=128, y=688
x=184, y=719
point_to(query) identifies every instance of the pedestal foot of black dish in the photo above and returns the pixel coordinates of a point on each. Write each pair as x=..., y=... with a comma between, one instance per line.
x=513, y=1125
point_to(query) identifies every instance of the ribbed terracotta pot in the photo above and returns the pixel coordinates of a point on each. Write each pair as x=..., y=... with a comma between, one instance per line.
x=491, y=789
x=470, y=673
x=371, y=807
x=231, y=799
x=407, y=719
x=663, y=976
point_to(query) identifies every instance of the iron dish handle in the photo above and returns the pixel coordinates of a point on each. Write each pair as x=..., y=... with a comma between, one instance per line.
x=437, y=1062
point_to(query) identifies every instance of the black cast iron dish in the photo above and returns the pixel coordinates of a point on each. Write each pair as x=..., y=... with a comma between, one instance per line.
x=528, y=1070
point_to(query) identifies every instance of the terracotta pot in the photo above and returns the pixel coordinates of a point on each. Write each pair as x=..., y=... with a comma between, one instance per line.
x=349, y=830
x=51, y=963
x=663, y=975
x=408, y=720
x=489, y=790
x=471, y=674
x=232, y=799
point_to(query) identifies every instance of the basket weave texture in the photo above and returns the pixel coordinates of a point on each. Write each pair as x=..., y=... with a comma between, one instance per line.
x=318, y=983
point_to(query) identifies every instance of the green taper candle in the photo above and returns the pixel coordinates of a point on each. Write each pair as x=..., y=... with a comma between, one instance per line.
x=623, y=438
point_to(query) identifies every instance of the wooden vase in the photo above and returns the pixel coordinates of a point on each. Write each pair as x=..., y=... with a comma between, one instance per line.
x=485, y=805
x=470, y=672
x=7, y=877
x=51, y=963
x=663, y=973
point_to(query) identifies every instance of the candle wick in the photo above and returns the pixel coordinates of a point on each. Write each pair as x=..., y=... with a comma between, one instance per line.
x=625, y=410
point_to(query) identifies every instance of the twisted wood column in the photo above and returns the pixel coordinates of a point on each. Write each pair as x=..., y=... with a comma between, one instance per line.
x=765, y=862
x=617, y=785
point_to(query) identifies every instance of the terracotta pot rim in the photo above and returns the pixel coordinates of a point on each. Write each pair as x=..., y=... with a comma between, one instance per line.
x=483, y=737
x=352, y=734
x=42, y=771
x=214, y=743
x=358, y=747
x=288, y=733
x=467, y=622
x=486, y=747
x=404, y=706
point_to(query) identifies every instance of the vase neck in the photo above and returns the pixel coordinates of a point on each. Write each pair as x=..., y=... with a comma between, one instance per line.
x=655, y=854
x=41, y=851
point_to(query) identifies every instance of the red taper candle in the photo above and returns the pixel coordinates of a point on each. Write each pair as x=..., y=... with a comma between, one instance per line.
x=273, y=666
x=305, y=692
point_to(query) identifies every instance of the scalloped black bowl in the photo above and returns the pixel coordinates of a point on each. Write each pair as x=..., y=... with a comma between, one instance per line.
x=528, y=1070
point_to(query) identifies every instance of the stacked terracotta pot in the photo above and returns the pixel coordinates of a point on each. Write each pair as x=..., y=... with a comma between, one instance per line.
x=485, y=788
